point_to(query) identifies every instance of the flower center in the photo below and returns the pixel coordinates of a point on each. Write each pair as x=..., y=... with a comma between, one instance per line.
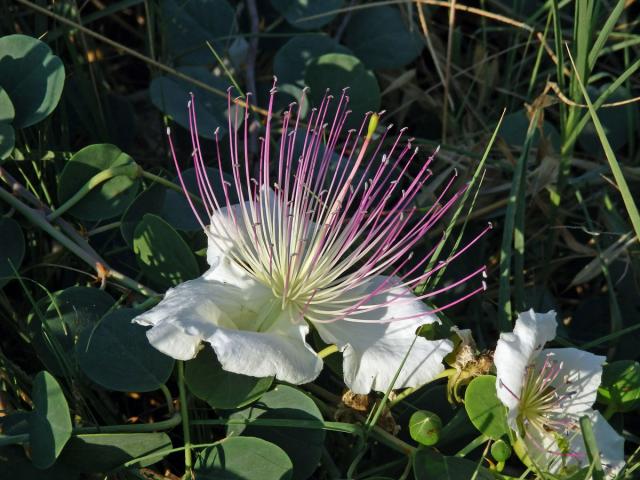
x=541, y=406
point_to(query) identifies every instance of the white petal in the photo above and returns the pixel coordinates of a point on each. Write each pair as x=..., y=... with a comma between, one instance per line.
x=373, y=352
x=515, y=351
x=281, y=351
x=194, y=309
x=172, y=341
x=548, y=455
x=543, y=449
x=610, y=444
x=579, y=378
x=200, y=304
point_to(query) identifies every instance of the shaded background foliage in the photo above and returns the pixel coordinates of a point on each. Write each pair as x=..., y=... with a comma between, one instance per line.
x=95, y=95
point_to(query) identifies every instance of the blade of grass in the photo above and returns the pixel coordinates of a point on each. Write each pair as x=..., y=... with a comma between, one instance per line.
x=616, y=313
x=627, y=198
x=604, y=33
x=516, y=202
x=476, y=175
x=593, y=453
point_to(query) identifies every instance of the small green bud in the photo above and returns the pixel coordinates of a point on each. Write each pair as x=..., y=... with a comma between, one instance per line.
x=500, y=451
x=373, y=124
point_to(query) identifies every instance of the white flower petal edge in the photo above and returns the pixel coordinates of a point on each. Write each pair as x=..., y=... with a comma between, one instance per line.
x=581, y=380
x=373, y=352
x=223, y=313
x=515, y=351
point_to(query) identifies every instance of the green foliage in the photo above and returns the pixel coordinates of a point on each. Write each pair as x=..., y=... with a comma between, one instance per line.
x=615, y=121
x=57, y=321
x=111, y=194
x=221, y=389
x=425, y=427
x=49, y=423
x=7, y=133
x=485, y=410
x=170, y=95
x=104, y=452
x=15, y=464
x=335, y=71
x=620, y=388
x=162, y=254
x=244, y=458
x=86, y=232
x=428, y=464
x=32, y=76
x=381, y=38
x=291, y=60
x=302, y=445
x=296, y=12
x=116, y=354
x=12, y=248
x=188, y=26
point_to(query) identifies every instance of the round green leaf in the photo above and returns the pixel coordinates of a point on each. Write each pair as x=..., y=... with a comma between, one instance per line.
x=296, y=10
x=7, y=112
x=381, y=39
x=150, y=200
x=162, y=254
x=11, y=248
x=514, y=131
x=303, y=445
x=50, y=422
x=7, y=140
x=290, y=62
x=425, y=427
x=117, y=355
x=336, y=71
x=32, y=76
x=430, y=465
x=109, y=198
x=485, y=410
x=243, y=458
x=171, y=96
x=190, y=25
x=104, y=452
x=621, y=385
x=65, y=316
x=221, y=389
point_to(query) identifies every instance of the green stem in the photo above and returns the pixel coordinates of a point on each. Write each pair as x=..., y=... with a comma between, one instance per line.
x=167, y=424
x=472, y=445
x=131, y=170
x=13, y=439
x=168, y=397
x=325, y=352
x=610, y=411
x=411, y=390
x=184, y=411
x=285, y=423
x=170, y=185
x=37, y=218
